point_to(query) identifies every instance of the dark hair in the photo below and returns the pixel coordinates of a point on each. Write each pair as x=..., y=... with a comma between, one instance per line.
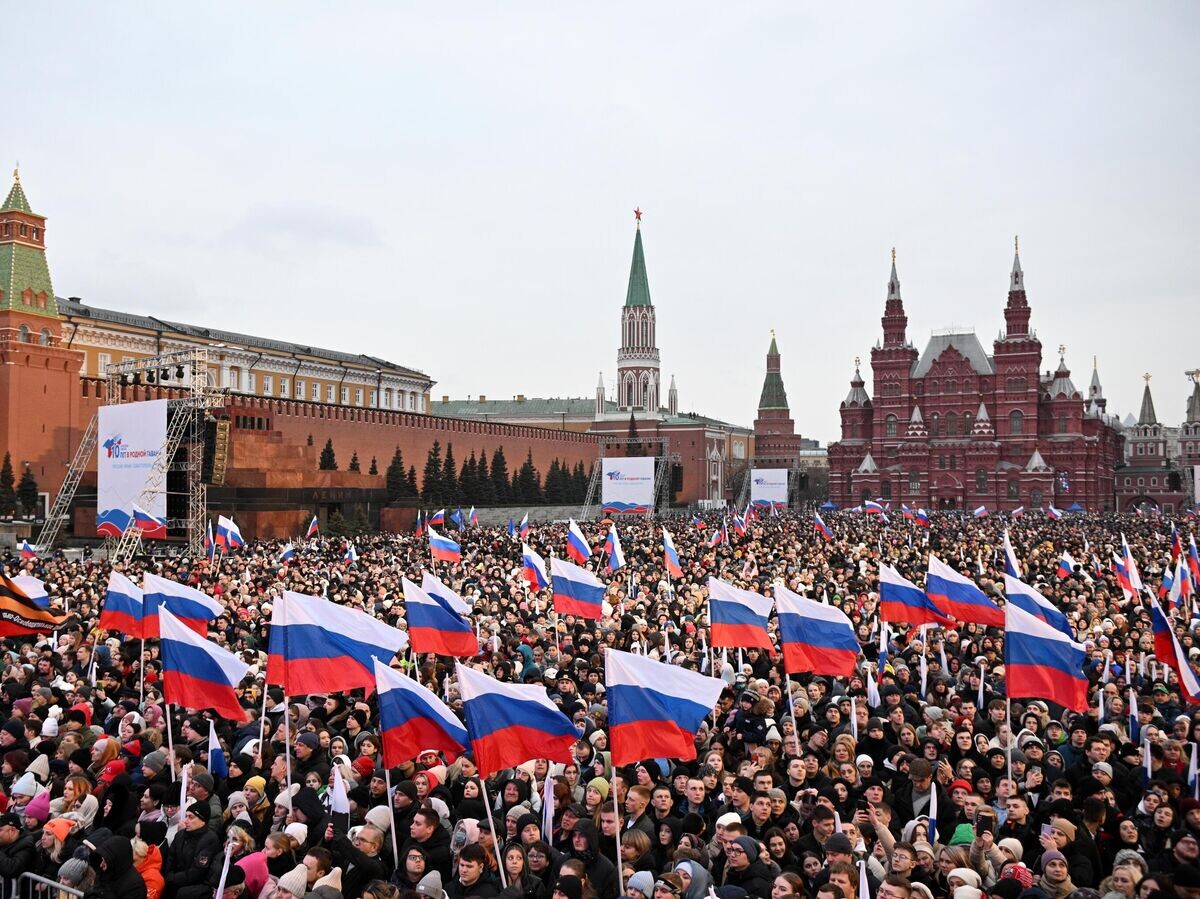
x=324, y=858
x=473, y=852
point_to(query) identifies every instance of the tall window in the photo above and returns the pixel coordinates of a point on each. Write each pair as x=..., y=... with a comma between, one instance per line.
x=103, y=361
x=1016, y=422
x=301, y=391
x=981, y=480
x=885, y=489
x=889, y=426
x=330, y=393
x=285, y=387
x=268, y=385
x=914, y=481
x=1062, y=423
x=967, y=421
x=1014, y=490
x=951, y=424
x=935, y=425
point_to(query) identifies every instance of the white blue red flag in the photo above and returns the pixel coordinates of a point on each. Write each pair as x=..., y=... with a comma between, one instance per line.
x=959, y=597
x=198, y=674
x=433, y=626
x=434, y=587
x=576, y=590
x=1017, y=512
x=1066, y=566
x=1028, y=598
x=228, y=535
x=533, y=568
x=815, y=637
x=1131, y=569
x=442, y=548
x=922, y=518
x=1052, y=513
x=412, y=719
x=980, y=512
x=1011, y=565
x=288, y=553
x=218, y=766
x=523, y=527
x=473, y=517
x=27, y=551
x=822, y=528
x=151, y=526
x=1041, y=662
x=510, y=724
x=872, y=508
x=314, y=527
x=577, y=544
x=903, y=602
x=1168, y=651
x=438, y=518
x=738, y=618
x=189, y=605
x=670, y=556
x=210, y=545
x=612, y=548
x=122, y=609
x=655, y=710
x=350, y=555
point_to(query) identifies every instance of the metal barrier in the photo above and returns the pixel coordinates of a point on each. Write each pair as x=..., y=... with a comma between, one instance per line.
x=32, y=886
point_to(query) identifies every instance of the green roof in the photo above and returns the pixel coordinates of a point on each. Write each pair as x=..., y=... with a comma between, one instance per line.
x=16, y=201
x=638, y=293
x=530, y=406
x=773, y=395
x=24, y=268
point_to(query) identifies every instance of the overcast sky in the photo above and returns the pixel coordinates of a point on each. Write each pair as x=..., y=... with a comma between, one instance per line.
x=451, y=186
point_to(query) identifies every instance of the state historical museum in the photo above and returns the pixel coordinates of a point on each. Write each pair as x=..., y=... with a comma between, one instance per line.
x=953, y=427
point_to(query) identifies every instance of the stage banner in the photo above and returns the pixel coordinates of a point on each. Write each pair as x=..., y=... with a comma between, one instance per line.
x=628, y=486
x=130, y=439
x=769, y=487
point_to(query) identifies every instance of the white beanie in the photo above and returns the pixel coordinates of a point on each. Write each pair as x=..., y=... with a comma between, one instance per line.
x=50, y=727
x=380, y=817
x=295, y=881
x=24, y=785
x=298, y=832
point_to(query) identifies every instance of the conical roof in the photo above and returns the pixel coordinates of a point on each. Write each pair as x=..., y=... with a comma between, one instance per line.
x=1147, y=416
x=638, y=293
x=16, y=202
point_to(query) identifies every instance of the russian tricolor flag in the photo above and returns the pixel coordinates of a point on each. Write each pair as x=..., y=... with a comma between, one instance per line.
x=350, y=555
x=509, y=724
x=198, y=674
x=473, y=517
x=437, y=518
x=739, y=525
x=959, y=597
x=980, y=512
x=612, y=548
x=1041, y=662
x=903, y=602
x=718, y=535
x=1176, y=544
x=122, y=609
x=1131, y=569
x=152, y=528
x=533, y=568
x=419, y=525
x=816, y=638
x=217, y=765
x=314, y=527
x=435, y=587
x=189, y=605
x=1193, y=560
x=523, y=529
x=317, y=646
x=228, y=535
x=697, y=522
x=413, y=719
x=670, y=556
x=210, y=545
x=922, y=518
x=1168, y=651
x=654, y=710
x=907, y=512
x=27, y=551
x=288, y=553
x=738, y=618
x=872, y=508
x=1052, y=513
x=1011, y=565
x=577, y=545
x=1118, y=567
x=435, y=627
x=822, y=528
x=1066, y=566
x=576, y=590
x=34, y=588
x=442, y=548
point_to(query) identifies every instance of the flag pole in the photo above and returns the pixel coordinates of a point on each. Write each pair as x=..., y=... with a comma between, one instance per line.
x=487, y=804
x=142, y=675
x=387, y=779
x=171, y=742
x=616, y=808
x=262, y=723
x=287, y=743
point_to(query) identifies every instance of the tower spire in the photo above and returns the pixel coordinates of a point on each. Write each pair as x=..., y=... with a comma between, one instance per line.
x=1016, y=312
x=894, y=321
x=1147, y=415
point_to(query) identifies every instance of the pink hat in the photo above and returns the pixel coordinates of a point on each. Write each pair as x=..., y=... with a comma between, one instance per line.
x=39, y=807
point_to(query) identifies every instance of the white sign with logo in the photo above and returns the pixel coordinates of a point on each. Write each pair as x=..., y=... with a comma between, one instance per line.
x=130, y=439
x=628, y=486
x=769, y=487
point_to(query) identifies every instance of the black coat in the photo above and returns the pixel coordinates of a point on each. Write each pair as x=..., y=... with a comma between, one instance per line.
x=189, y=860
x=119, y=878
x=756, y=879
x=19, y=856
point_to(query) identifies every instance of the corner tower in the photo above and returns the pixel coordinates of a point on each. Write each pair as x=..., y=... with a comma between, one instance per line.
x=26, y=294
x=637, y=359
x=776, y=443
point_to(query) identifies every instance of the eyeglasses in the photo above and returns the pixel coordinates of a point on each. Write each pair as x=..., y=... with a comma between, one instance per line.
x=734, y=850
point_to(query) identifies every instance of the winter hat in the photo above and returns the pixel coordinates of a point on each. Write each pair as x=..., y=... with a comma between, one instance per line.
x=363, y=766
x=431, y=886
x=380, y=817
x=964, y=835
x=205, y=781
x=332, y=879
x=111, y=771
x=39, y=807
x=298, y=832
x=60, y=827
x=643, y=882
x=1019, y=873
x=967, y=876
x=50, y=727
x=1065, y=826
x=237, y=797
x=256, y=783
x=24, y=785
x=295, y=881
x=155, y=761
x=570, y=886
x=1013, y=847
x=72, y=871
x=40, y=768
x=965, y=892
x=408, y=788
x=600, y=785
x=1050, y=855
x=837, y=842
x=750, y=845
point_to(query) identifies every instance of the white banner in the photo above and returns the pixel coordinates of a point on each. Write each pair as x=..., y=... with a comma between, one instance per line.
x=769, y=487
x=628, y=486
x=130, y=439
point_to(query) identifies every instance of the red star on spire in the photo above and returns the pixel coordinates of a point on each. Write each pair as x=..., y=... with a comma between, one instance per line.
x=637, y=214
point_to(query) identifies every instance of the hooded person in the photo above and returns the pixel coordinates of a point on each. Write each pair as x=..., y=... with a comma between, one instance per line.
x=585, y=847
x=696, y=878
x=310, y=811
x=743, y=869
x=117, y=874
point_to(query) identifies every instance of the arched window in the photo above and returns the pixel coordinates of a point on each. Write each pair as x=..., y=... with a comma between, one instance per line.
x=885, y=490
x=44, y=337
x=1014, y=490
x=914, y=481
x=853, y=430
x=889, y=426
x=981, y=480
x=1062, y=423
x=1016, y=422
x=1035, y=497
x=968, y=420
x=951, y=386
x=23, y=333
x=935, y=425
x=951, y=424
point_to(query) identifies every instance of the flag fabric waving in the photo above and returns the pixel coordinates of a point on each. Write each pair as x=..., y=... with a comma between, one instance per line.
x=122, y=609
x=903, y=602
x=612, y=549
x=1028, y=598
x=822, y=528
x=1066, y=566
x=738, y=618
x=435, y=627
x=577, y=545
x=210, y=544
x=198, y=674
x=189, y=605
x=1011, y=565
x=152, y=527
x=959, y=597
x=434, y=587
x=314, y=527
x=412, y=719
x=27, y=551
x=815, y=637
x=317, y=646
x=1168, y=651
x=1041, y=662
x=523, y=527
x=576, y=590
x=442, y=548
x=437, y=518
x=654, y=710
x=228, y=535
x=509, y=724
x=19, y=614
x=533, y=568
x=980, y=512
x=671, y=556
x=287, y=553
x=217, y=764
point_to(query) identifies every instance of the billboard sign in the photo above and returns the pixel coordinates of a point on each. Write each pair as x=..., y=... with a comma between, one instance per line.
x=628, y=486
x=130, y=439
x=769, y=487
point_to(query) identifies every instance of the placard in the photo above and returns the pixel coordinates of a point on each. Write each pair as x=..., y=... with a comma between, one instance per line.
x=628, y=487
x=130, y=439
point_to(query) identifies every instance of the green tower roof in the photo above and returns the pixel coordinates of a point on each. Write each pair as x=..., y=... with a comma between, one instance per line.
x=638, y=293
x=773, y=395
x=16, y=201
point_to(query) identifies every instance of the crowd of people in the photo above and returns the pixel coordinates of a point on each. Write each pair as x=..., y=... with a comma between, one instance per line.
x=909, y=780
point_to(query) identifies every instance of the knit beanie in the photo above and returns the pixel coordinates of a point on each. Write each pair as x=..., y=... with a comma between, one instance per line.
x=750, y=845
x=431, y=886
x=155, y=761
x=256, y=783
x=966, y=875
x=643, y=882
x=332, y=879
x=72, y=871
x=25, y=785
x=600, y=785
x=1065, y=826
x=966, y=892
x=39, y=807
x=1050, y=855
x=295, y=881
x=381, y=817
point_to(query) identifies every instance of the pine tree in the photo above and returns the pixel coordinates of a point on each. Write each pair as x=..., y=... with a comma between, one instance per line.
x=530, y=481
x=517, y=489
x=396, y=486
x=354, y=466
x=374, y=469
x=450, y=493
x=487, y=488
x=468, y=480
x=554, y=495
x=431, y=484
x=328, y=459
x=8, y=496
x=410, y=484
x=501, y=487
x=579, y=483
x=336, y=525
x=27, y=493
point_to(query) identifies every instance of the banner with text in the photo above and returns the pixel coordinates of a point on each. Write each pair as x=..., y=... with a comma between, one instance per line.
x=769, y=487
x=628, y=486
x=130, y=439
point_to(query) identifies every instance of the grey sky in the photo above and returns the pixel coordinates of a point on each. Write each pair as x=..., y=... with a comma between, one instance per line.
x=451, y=186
